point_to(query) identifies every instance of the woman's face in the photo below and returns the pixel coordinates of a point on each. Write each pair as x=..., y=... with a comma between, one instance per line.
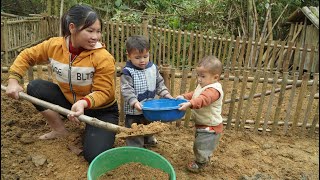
x=86, y=38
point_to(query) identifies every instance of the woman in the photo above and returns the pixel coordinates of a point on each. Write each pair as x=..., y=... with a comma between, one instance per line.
x=85, y=74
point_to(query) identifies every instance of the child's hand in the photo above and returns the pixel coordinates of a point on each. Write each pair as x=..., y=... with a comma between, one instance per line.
x=184, y=106
x=137, y=105
x=179, y=97
x=77, y=109
x=168, y=96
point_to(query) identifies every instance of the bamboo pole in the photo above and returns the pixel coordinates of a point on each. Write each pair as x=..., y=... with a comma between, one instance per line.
x=190, y=52
x=229, y=53
x=235, y=54
x=280, y=100
x=310, y=101
x=184, y=51
x=302, y=60
x=117, y=51
x=183, y=87
x=200, y=46
x=168, y=48
x=164, y=47
x=290, y=103
x=178, y=48
x=261, y=102
x=315, y=121
x=240, y=104
x=191, y=88
x=300, y=100
x=224, y=51
x=211, y=45
x=246, y=61
x=233, y=95
x=89, y=120
x=173, y=51
x=240, y=58
x=172, y=81
x=251, y=94
x=268, y=112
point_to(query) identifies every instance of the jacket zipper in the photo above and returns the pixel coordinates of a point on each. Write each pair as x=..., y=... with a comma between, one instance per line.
x=69, y=77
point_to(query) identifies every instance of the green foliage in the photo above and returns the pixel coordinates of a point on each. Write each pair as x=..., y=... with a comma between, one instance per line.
x=218, y=17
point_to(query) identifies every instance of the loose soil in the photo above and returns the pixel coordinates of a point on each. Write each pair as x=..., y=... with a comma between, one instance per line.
x=136, y=171
x=240, y=154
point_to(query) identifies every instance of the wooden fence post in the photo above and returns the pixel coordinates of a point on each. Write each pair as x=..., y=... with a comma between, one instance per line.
x=6, y=41
x=145, y=28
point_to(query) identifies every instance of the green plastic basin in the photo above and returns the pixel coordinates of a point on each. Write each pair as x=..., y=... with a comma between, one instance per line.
x=113, y=158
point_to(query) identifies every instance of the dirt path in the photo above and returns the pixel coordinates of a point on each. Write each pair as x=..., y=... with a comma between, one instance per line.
x=240, y=154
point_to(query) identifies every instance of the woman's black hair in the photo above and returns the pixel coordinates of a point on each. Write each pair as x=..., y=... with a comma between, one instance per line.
x=81, y=16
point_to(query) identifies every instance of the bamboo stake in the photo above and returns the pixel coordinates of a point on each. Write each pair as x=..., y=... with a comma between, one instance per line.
x=169, y=47
x=206, y=46
x=240, y=59
x=280, y=100
x=233, y=95
x=251, y=94
x=300, y=100
x=235, y=54
x=246, y=61
x=200, y=46
x=122, y=44
x=224, y=51
x=190, y=51
x=164, y=47
x=229, y=53
x=89, y=120
x=178, y=49
x=112, y=38
x=184, y=51
x=261, y=102
x=215, y=47
x=290, y=103
x=172, y=81
x=159, y=46
x=211, y=45
x=243, y=87
x=220, y=47
x=315, y=121
x=173, y=51
x=191, y=88
x=196, y=59
x=268, y=112
x=310, y=101
x=117, y=43
x=302, y=60
x=183, y=87
x=280, y=56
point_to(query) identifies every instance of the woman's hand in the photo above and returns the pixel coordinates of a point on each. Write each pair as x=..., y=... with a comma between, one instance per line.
x=77, y=109
x=13, y=88
x=185, y=106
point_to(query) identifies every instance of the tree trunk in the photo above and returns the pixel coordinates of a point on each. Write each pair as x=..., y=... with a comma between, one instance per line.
x=250, y=18
x=49, y=7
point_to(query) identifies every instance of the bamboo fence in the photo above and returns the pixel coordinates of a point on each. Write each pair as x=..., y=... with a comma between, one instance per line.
x=267, y=88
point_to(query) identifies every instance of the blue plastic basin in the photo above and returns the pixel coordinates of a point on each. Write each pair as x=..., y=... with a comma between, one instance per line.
x=163, y=109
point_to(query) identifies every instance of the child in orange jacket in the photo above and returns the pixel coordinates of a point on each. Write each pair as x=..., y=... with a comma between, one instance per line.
x=206, y=104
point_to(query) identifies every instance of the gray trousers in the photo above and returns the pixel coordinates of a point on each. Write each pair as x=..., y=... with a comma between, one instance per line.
x=204, y=144
x=136, y=141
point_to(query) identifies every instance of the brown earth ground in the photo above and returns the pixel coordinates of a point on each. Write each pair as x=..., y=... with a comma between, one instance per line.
x=240, y=155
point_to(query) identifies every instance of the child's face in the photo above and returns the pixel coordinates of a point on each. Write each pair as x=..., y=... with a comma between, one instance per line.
x=205, y=77
x=139, y=59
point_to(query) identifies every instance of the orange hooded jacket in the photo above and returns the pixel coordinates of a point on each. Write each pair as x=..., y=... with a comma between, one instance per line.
x=89, y=76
